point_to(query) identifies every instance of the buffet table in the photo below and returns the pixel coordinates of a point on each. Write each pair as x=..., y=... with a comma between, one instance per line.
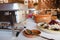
x=30, y=24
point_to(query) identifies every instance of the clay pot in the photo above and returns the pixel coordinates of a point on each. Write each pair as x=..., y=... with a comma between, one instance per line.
x=31, y=35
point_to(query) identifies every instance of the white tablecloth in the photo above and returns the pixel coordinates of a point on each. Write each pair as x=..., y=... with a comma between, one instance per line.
x=5, y=34
x=31, y=25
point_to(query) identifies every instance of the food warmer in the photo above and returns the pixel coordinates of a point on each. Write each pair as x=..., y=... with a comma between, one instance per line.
x=11, y=13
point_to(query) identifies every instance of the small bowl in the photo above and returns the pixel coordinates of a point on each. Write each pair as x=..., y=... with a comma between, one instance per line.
x=37, y=32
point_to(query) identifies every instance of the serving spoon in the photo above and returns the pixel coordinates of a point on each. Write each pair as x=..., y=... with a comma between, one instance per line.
x=45, y=37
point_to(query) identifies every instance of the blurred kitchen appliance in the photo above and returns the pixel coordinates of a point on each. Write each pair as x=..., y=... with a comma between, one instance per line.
x=11, y=13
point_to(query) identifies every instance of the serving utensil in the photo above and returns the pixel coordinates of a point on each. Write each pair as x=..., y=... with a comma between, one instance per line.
x=45, y=37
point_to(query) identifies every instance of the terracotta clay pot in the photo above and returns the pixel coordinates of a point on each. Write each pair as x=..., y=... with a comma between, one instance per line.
x=31, y=35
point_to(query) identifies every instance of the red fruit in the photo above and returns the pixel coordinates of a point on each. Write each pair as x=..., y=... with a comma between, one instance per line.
x=53, y=22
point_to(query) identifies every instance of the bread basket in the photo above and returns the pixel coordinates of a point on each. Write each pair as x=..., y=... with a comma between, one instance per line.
x=42, y=18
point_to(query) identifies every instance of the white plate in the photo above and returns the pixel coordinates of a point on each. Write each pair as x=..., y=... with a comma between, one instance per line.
x=49, y=31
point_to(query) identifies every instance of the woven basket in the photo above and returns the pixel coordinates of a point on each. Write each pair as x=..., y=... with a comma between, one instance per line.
x=42, y=18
